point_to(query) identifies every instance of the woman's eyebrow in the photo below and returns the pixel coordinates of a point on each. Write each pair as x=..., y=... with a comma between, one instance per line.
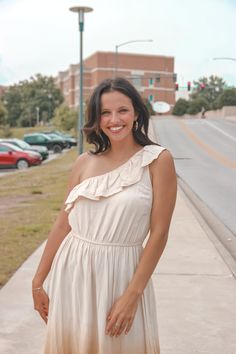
x=108, y=109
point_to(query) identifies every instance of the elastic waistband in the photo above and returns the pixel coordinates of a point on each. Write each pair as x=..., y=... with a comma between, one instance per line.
x=112, y=244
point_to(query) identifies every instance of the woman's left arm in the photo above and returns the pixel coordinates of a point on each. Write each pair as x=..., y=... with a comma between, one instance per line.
x=164, y=184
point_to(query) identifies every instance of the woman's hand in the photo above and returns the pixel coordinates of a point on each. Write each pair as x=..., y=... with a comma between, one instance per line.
x=41, y=302
x=121, y=315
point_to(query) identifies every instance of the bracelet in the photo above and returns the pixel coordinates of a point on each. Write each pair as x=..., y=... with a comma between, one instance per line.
x=37, y=289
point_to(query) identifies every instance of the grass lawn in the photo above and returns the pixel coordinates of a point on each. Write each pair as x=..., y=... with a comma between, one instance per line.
x=29, y=203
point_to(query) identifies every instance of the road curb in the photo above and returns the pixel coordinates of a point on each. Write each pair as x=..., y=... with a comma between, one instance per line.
x=222, y=238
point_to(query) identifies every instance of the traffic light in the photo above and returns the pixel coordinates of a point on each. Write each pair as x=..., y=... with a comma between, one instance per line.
x=202, y=87
x=176, y=87
x=189, y=86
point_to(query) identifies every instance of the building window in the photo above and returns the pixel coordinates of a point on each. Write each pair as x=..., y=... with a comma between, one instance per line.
x=150, y=98
x=151, y=81
x=137, y=81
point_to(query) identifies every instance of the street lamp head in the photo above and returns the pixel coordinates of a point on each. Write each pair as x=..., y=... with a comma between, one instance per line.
x=81, y=10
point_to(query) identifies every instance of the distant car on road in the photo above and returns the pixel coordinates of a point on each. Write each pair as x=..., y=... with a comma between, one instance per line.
x=13, y=156
x=42, y=150
x=67, y=137
x=56, y=145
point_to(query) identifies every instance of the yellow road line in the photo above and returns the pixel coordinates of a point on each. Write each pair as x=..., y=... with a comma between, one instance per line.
x=214, y=154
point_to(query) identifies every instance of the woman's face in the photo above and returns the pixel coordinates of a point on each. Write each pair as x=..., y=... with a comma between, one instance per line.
x=117, y=116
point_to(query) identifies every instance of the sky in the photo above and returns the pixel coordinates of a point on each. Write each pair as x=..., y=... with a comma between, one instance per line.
x=41, y=36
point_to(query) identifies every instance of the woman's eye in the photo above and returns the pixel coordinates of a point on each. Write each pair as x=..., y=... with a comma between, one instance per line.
x=105, y=113
x=124, y=110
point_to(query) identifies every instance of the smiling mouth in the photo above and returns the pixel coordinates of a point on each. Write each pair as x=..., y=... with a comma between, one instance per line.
x=116, y=129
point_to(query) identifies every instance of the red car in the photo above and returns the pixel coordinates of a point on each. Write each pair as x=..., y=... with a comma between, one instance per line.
x=12, y=156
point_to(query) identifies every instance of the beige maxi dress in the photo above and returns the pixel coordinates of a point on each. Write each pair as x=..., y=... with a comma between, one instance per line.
x=109, y=217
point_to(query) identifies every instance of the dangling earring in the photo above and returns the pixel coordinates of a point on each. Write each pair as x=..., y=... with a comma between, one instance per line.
x=135, y=126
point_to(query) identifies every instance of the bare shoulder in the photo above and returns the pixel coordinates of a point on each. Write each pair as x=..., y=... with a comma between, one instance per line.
x=163, y=166
x=78, y=168
x=164, y=159
x=82, y=160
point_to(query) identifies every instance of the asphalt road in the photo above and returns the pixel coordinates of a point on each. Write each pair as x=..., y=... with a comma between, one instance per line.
x=205, y=158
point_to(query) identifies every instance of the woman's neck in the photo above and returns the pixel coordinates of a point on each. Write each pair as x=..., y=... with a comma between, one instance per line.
x=120, y=150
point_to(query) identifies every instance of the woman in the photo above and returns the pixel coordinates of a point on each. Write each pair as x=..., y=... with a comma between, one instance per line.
x=101, y=295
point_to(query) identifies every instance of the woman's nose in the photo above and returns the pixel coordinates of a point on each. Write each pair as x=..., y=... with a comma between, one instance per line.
x=114, y=117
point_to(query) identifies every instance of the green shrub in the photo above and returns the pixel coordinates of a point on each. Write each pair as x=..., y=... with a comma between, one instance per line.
x=181, y=107
x=195, y=106
x=227, y=98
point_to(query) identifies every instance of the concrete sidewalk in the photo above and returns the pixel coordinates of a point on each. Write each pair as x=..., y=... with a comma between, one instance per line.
x=195, y=290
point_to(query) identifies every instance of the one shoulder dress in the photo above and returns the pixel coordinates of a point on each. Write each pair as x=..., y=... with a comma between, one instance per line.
x=109, y=215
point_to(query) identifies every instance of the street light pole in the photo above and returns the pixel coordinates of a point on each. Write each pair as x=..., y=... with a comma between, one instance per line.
x=50, y=106
x=128, y=42
x=225, y=58
x=80, y=10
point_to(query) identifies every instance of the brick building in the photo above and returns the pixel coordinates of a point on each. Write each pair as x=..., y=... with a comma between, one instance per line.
x=152, y=75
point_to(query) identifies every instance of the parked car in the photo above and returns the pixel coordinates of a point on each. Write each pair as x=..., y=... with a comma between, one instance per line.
x=33, y=153
x=56, y=145
x=42, y=150
x=67, y=137
x=57, y=137
x=13, y=156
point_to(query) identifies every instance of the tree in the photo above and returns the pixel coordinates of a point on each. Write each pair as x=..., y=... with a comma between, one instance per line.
x=5, y=127
x=227, y=98
x=196, y=105
x=181, y=107
x=24, y=99
x=65, y=118
x=208, y=88
x=44, y=94
x=12, y=99
x=3, y=115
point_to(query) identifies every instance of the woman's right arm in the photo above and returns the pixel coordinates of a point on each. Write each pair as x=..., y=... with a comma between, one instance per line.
x=59, y=231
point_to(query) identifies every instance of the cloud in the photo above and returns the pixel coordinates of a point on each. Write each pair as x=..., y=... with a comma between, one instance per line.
x=6, y=74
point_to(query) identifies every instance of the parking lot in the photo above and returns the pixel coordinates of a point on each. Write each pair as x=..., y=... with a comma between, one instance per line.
x=33, y=149
x=52, y=156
